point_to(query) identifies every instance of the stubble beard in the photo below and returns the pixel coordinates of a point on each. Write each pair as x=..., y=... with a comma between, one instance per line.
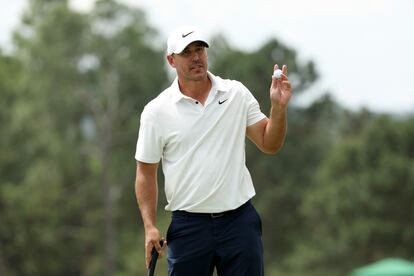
x=197, y=72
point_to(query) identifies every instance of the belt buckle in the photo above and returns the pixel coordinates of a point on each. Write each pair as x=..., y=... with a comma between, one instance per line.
x=216, y=215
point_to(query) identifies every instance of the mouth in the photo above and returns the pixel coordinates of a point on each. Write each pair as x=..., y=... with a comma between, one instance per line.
x=196, y=66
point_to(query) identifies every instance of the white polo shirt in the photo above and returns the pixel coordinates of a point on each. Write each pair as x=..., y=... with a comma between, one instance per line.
x=202, y=147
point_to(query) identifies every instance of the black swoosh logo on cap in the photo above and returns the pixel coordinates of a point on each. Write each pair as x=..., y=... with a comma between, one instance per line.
x=185, y=35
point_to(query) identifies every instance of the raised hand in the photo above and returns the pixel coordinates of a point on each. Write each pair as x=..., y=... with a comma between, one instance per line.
x=280, y=89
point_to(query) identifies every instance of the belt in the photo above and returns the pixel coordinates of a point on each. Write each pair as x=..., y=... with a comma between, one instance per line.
x=211, y=215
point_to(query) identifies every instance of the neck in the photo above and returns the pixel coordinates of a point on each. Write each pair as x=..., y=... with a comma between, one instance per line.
x=196, y=89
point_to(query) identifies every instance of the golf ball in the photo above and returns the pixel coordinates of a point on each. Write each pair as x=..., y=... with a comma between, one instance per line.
x=277, y=73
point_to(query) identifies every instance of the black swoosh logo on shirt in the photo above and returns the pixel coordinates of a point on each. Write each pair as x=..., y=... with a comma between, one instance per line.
x=185, y=35
x=220, y=102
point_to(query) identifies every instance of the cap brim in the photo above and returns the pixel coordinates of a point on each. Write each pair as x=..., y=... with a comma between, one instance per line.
x=185, y=43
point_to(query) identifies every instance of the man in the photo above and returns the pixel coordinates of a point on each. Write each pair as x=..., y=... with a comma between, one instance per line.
x=197, y=127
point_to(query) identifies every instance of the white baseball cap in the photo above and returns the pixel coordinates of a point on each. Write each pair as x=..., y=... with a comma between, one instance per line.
x=182, y=37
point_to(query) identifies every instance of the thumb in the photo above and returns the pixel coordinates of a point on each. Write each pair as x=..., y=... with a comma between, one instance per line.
x=159, y=245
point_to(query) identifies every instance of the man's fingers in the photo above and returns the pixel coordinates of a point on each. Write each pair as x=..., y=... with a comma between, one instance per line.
x=147, y=256
x=285, y=70
x=160, y=245
x=286, y=84
x=157, y=246
x=161, y=252
x=284, y=75
x=160, y=249
x=148, y=251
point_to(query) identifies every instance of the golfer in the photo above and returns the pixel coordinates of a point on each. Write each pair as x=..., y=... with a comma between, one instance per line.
x=198, y=127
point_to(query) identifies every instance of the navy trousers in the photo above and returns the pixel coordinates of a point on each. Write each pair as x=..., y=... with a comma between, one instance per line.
x=231, y=242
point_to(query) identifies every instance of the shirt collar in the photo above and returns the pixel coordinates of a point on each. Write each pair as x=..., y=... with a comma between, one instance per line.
x=216, y=85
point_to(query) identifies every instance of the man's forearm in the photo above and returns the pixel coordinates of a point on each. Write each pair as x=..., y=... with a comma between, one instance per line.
x=146, y=191
x=147, y=203
x=275, y=131
x=147, y=194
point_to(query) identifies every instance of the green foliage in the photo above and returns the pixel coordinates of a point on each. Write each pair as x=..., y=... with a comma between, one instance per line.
x=360, y=208
x=338, y=195
x=254, y=69
x=74, y=120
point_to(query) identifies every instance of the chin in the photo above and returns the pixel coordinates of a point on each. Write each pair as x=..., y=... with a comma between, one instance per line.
x=198, y=73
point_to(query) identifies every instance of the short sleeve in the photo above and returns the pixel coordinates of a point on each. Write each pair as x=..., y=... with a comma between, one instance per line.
x=254, y=114
x=150, y=143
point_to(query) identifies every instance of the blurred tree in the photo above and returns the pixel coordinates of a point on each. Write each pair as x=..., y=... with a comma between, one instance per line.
x=85, y=79
x=361, y=207
x=255, y=68
x=71, y=96
x=283, y=181
x=10, y=80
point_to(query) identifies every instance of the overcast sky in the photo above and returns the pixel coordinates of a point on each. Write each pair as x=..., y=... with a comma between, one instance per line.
x=363, y=49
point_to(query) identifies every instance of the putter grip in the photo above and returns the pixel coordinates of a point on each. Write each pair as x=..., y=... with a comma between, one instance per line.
x=153, y=261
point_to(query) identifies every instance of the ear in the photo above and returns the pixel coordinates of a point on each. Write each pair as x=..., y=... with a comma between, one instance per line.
x=170, y=60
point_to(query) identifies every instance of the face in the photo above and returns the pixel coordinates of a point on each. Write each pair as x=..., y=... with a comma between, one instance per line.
x=192, y=63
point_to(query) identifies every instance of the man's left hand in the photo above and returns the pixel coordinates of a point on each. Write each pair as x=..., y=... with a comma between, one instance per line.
x=280, y=89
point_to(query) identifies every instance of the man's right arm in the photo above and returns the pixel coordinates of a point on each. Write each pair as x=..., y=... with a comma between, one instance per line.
x=146, y=190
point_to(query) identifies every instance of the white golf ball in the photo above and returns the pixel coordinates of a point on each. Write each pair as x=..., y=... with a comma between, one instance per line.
x=277, y=73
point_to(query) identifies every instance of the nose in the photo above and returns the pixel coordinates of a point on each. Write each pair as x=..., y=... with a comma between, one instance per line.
x=195, y=56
